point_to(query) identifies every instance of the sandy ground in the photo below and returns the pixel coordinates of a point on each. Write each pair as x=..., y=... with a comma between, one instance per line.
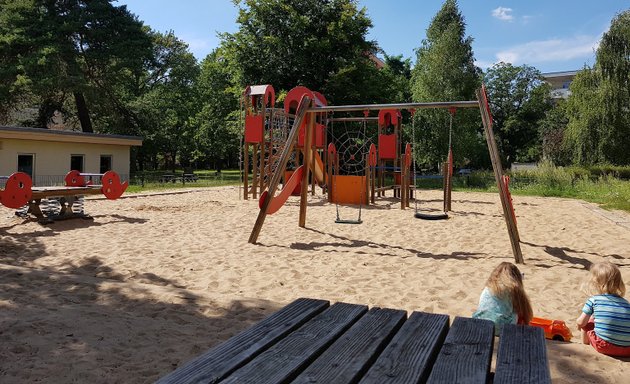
x=153, y=281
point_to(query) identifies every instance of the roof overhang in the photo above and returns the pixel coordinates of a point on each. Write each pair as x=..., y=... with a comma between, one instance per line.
x=41, y=134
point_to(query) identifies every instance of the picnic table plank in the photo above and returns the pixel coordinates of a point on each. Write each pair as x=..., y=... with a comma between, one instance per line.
x=220, y=361
x=350, y=356
x=522, y=356
x=466, y=354
x=409, y=356
x=283, y=361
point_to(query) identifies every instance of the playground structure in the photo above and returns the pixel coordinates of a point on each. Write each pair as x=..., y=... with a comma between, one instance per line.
x=338, y=163
x=307, y=114
x=258, y=102
x=265, y=136
x=59, y=202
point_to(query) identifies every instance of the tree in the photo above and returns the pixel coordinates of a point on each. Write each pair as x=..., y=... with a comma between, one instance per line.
x=613, y=63
x=519, y=99
x=552, y=132
x=445, y=71
x=598, y=108
x=583, y=136
x=218, y=119
x=166, y=101
x=399, y=70
x=320, y=44
x=62, y=49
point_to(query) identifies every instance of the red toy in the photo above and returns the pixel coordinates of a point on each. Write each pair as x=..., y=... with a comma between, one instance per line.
x=554, y=329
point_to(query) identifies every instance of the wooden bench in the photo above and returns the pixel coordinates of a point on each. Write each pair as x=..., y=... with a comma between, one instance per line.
x=189, y=178
x=311, y=341
x=168, y=178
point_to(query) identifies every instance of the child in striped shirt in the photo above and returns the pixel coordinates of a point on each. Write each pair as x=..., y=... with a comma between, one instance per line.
x=605, y=318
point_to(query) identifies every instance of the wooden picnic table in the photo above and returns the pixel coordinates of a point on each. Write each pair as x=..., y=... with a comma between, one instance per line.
x=311, y=341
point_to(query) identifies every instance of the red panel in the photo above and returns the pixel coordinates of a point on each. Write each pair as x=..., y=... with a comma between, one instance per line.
x=254, y=129
x=318, y=137
x=372, y=154
x=294, y=96
x=387, y=147
x=387, y=117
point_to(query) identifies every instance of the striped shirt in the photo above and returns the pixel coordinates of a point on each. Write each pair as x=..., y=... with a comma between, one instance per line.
x=612, y=318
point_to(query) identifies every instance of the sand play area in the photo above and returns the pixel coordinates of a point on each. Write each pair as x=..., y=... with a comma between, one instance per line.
x=155, y=280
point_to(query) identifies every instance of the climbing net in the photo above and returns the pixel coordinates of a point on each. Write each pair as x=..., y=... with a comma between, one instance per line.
x=353, y=148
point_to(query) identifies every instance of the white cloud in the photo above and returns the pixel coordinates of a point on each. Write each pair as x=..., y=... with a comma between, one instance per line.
x=550, y=50
x=526, y=19
x=483, y=64
x=197, y=44
x=503, y=13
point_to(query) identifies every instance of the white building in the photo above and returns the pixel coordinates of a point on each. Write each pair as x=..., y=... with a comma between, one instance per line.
x=47, y=155
x=560, y=82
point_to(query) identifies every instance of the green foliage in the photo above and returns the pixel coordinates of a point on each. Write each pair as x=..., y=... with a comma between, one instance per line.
x=519, y=100
x=319, y=44
x=552, y=131
x=68, y=49
x=573, y=182
x=445, y=71
x=598, y=109
x=218, y=136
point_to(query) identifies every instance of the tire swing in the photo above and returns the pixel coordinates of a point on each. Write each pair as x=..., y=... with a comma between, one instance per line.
x=418, y=214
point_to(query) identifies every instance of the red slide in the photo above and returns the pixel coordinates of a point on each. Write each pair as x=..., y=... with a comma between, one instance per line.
x=278, y=201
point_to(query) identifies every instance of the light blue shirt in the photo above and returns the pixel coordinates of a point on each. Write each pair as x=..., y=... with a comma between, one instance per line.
x=497, y=309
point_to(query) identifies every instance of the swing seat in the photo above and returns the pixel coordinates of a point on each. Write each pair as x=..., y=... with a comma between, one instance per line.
x=341, y=221
x=427, y=216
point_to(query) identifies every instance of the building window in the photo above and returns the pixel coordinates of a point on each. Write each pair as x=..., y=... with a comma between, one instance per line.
x=106, y=163
x=26, y=164
x=76, y=162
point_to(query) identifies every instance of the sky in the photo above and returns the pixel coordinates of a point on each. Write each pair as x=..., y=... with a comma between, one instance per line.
x=551, y=35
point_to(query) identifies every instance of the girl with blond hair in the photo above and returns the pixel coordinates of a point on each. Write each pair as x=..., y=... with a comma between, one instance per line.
x=504, y=300
x=605, y=318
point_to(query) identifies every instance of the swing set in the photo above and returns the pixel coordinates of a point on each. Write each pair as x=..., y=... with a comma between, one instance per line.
x=306, y=114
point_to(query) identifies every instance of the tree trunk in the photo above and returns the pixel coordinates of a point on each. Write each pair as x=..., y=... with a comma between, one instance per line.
x=82, y=111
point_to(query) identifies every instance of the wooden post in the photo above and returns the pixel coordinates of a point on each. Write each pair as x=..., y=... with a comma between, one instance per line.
x=313, y=181
x=308, y=157
x=329, y=165
x=284, y=158
x=444, y=186
x=368, y=173
x=261, y=162
x=255, y=174
x=508, y=214
x=246, y=169
x=448, y=192
x=403, y=193
x=373, y=182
